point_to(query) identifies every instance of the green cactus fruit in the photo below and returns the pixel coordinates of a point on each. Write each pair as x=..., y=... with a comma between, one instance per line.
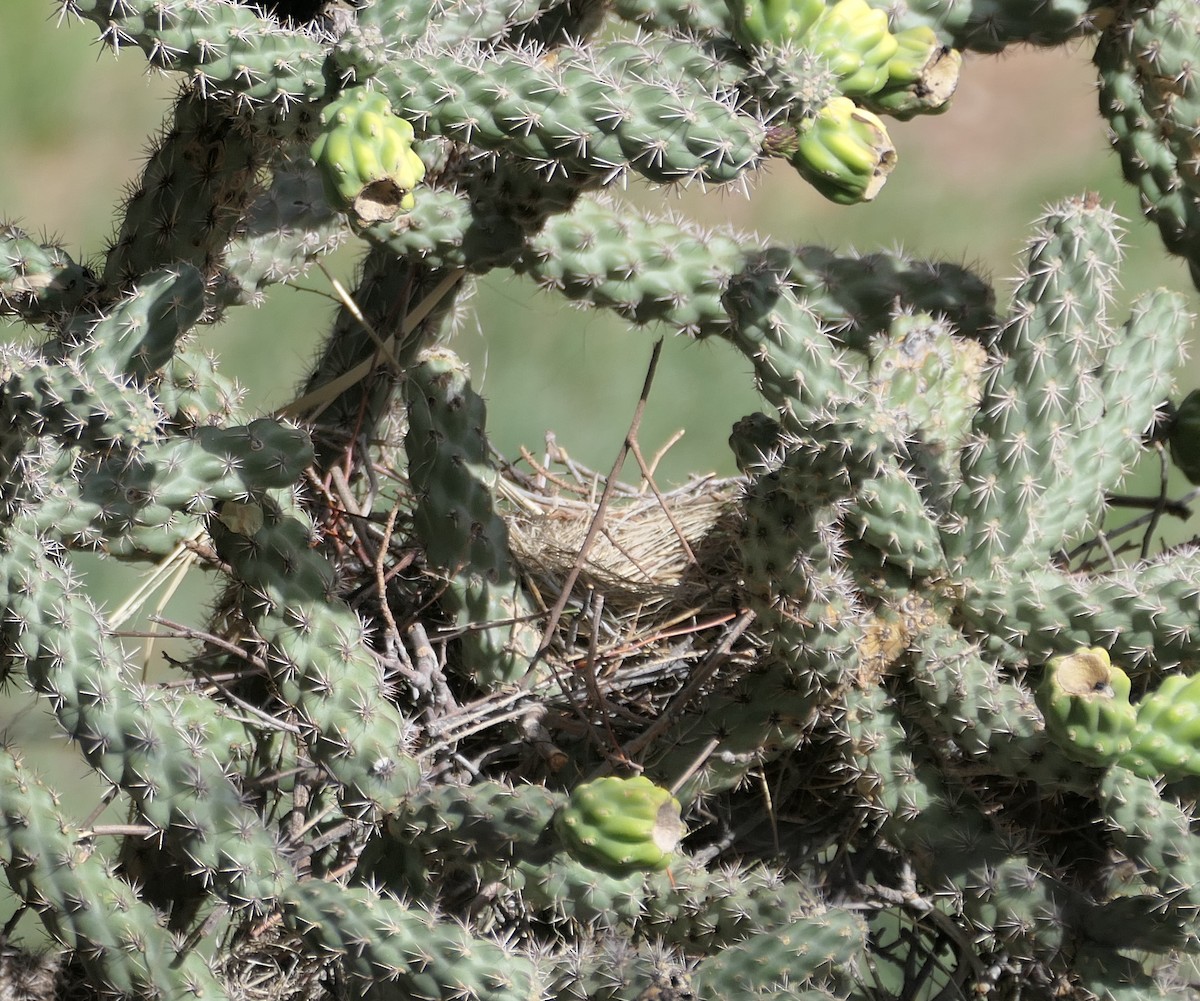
x=621, y=824
x=365, y=156
x=1085, y=700
x=761, y=23
x=921, y=77
x=1184, y=437
x=853, y=38
x=845, y=153
x=1166, y=738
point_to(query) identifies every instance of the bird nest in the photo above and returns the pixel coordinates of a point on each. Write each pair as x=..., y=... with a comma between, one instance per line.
x=638, y=594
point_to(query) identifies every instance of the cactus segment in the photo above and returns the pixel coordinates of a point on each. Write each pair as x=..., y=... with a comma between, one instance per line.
x=1141, y=131
x=1149, y=614
x=1048, y=389
x=325, y=667
x=365, y=157
x=928, y=379
x=845, y=153
x=921, y=77
x=384, y=941
x=192, y=392
x=700, y=18
x=812, y=948
x=978, y=25
x=621, y=824
x=146, y=504
x=969, y=700
x=1154, y=833
x=853, y=38
x=224, y=48
x=993, y=25
x=191, y=194
x=38, y=280
x=1166, y=739
x=663, y=132
x=465, y=537
x=1184, y=436
x=91, y=386
x=763, y=23
x=286, y=227
x=1164, y=39
x=56, y=869
x=387, y=287
x=1084, y=698
x=1136, y=377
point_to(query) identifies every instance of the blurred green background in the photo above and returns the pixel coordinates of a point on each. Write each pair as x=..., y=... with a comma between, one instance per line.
x=1022, y=131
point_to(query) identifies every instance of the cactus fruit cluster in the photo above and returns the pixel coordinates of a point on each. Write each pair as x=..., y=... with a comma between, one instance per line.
x=364, y=155
x=849, y=725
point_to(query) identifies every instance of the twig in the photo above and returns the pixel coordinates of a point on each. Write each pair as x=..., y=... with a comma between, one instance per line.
x=597, y=520
x=324, y=394
x=700, y=677
x=191, y=633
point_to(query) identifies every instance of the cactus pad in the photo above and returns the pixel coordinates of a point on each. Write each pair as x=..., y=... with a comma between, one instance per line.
x=1184, y=436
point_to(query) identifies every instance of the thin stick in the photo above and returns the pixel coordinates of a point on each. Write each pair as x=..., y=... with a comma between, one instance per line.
x=191, y=633
x=648, y=473
x=598, y=518
x=700, y=677
x=380, y=573
x=164, y=598
x=328, y=391
x=696, y=765
x=670, y=444
x=1161, y=504
x=120, y=830
x=347, y=300
x=163, y=569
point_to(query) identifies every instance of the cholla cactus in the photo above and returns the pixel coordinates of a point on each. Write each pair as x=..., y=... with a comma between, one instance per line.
x=548, y=799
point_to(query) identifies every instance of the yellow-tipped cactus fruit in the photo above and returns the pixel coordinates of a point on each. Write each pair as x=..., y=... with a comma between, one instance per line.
x=922, y=75
x=853, y=37
x=1084, y=698
x=365, y=156
x=845, y=153
x=621, y=824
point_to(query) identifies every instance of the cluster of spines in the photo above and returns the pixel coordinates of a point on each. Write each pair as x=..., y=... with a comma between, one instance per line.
x=1149, y=97
x=38, y=279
